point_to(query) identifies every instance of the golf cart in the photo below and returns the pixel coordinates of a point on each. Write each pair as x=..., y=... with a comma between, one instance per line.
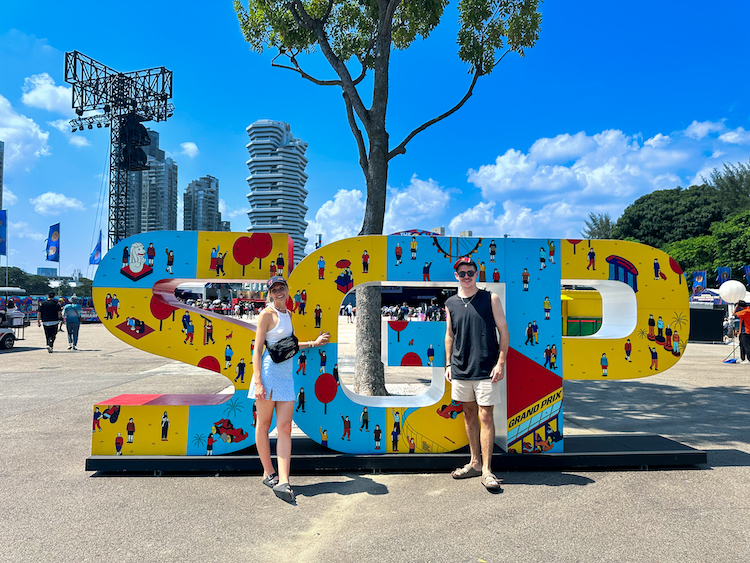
x=12, y=321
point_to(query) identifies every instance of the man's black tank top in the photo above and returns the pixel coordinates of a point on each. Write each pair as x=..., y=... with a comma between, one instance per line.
x=475, y=345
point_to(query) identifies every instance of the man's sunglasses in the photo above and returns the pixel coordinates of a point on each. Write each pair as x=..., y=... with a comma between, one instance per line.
x=469, y=273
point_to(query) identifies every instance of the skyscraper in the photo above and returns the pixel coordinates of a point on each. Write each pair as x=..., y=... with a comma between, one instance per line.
x=2, y=165
x=201, y=211
x=277, y=182
x=152, y=193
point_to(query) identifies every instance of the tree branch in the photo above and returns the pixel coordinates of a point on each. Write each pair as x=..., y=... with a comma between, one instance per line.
x=363, y=162
x=401, y=148
x=296, y=68
x=347, y=84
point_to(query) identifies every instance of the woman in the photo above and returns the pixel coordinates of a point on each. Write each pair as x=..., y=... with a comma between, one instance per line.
x=72, y=315
x=273, y=387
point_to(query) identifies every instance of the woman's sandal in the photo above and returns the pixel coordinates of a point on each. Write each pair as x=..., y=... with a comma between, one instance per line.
x=491, y=483
x=271, y=481
x=284, y=492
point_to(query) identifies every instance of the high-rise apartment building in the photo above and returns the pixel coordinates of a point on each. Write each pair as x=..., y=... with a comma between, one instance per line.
x=277, y=182
x=152, y=193
x=2, y=166
x=201, y=209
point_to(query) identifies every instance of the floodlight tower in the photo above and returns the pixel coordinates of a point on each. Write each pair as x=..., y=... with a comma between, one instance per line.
x=126, y=99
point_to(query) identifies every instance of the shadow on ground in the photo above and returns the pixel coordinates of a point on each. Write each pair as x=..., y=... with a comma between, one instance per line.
x=684, y=413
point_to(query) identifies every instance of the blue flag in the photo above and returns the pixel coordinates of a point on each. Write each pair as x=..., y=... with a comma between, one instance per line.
x=747, y=274
x=3, y=232
x=725, y=274
x=96, y=255
x=53, y=244
x=699, y=282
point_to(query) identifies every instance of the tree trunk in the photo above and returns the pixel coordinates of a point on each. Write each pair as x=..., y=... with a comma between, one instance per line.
x=369, y=373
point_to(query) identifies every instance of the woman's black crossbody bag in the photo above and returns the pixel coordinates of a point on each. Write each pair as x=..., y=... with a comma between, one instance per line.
x=284, y=349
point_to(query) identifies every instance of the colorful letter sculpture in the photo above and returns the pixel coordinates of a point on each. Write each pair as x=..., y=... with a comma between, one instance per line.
x=644, y=329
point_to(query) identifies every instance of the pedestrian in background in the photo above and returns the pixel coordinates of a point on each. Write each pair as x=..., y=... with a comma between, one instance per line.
x=50, y=315
x=72, y=315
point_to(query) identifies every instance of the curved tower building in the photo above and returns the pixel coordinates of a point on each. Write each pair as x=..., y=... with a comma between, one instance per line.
x=277, y=182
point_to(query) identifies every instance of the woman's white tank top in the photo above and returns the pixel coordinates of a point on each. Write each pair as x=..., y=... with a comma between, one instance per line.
x=282, y=329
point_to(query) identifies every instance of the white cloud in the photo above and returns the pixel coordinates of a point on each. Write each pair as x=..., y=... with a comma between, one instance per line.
x=23, y=230
x=737, y=137
x=51, y=203
x=419, y=205
x=658, y=141
x=63, y=125
x=189, y=149
x=699, y=129
x=40, y=91
x=608, y=164
x=24, y=139
x=562, y=148
x=230, y=213
x=78, y=141
x=9, y=198
x=337, y=219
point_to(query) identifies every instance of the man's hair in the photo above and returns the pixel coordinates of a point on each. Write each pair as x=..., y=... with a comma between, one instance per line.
x=51, y=295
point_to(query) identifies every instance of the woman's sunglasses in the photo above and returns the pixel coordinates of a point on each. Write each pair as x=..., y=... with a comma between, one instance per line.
x=469, y=273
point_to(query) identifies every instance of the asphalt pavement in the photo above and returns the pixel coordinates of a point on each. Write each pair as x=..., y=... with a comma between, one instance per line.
x=53, y=510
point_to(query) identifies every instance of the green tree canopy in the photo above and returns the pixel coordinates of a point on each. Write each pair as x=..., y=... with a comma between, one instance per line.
x=694, y=254
x=733, y=243
x=666, y=216
x=32, y=284
x=733, y=183
x=598, y=226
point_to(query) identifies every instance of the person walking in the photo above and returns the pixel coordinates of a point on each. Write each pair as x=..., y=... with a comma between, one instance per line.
x=475, y=363
x=72, y=315
x=49, y=315
x=273, y=387
x=742, y=312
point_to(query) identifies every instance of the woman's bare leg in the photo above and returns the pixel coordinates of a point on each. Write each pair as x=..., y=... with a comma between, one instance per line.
x=265, y=414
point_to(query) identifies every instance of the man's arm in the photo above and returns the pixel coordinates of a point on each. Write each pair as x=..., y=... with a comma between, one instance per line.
x=448, y=344
x=498, y=372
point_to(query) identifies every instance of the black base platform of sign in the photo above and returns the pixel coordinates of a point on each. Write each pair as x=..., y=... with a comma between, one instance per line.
x=593, y=451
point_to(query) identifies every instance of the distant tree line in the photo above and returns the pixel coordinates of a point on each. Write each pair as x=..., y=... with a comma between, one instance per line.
x=702, y=227
x=39, y=285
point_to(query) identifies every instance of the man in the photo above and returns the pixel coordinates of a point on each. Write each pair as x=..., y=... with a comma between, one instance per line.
x=475, y=364
x=49, y=315
x=240, y=370
x=742, y=312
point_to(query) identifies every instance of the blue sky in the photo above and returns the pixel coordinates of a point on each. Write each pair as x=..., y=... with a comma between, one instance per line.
x=616, y=100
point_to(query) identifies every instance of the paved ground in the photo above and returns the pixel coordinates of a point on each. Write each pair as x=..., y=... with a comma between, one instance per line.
x=52, y=510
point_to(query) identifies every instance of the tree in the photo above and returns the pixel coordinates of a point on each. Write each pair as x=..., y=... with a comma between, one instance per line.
x=733, y=183
x=733, y=243
x=32, y=284
x=666, y=216
x=366, y=31
x=598, y=226
x=694, y=254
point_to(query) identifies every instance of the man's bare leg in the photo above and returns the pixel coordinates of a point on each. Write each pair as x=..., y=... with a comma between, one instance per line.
x=487, y=437
x=472, y=433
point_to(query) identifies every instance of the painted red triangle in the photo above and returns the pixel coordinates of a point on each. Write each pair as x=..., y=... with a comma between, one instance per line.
x=527, y=382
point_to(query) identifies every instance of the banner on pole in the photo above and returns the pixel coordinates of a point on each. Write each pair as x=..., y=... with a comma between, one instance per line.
x=699, y=282
x=96, y=255
x=53, y=244
x=724, y=274
x=3, y=232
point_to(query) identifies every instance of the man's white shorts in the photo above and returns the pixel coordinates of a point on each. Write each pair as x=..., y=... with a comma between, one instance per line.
x=482, y=391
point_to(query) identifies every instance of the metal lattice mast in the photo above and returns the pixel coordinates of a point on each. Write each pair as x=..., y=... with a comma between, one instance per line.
x=122, y=100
